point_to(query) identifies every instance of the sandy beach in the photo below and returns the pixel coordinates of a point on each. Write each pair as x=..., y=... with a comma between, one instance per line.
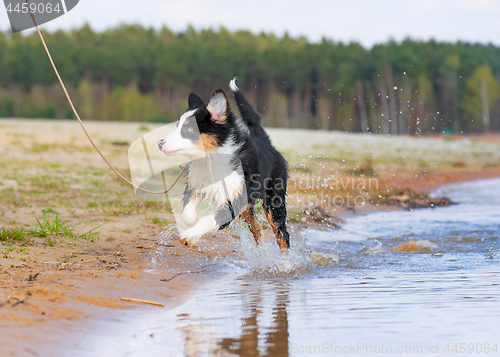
x=53, y=284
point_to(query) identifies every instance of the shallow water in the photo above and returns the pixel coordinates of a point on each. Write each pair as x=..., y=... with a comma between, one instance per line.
x=437, y=296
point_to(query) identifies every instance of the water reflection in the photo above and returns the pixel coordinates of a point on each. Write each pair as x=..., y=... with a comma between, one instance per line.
x=276, y=338
x=255, y=335
x=398, y=310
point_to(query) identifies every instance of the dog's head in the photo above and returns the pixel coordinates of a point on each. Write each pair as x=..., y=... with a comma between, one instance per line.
x=203, y=128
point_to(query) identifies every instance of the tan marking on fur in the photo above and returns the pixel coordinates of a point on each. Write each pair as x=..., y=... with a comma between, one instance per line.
x=281, y=241
x=253, y=224
x=270, y=219
x=209, y=142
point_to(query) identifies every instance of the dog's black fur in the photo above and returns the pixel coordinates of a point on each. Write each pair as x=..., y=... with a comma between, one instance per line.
x=265, y=169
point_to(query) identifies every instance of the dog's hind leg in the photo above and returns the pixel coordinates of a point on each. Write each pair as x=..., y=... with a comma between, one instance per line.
x=275, y=210
x=253, y=223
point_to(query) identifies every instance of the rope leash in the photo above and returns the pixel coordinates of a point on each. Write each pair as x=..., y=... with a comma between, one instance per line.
x=83, y=127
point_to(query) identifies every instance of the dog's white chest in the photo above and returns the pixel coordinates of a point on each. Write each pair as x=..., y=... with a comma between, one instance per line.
x=216, y=179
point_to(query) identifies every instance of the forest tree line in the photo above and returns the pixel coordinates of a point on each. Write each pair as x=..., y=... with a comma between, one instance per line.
x=132, y=73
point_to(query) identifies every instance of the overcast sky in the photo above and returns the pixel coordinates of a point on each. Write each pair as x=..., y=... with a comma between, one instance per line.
x=364, y=21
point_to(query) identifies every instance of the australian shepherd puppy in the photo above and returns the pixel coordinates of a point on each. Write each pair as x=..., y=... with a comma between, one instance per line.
x=232, y=163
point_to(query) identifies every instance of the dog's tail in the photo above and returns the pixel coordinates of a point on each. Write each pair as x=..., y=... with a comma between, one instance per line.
x=247, y=111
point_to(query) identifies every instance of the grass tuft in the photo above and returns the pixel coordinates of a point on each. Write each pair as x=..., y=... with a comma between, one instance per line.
x=54, y=227
x=158, y=220
x=10, y=249
x=12, y=235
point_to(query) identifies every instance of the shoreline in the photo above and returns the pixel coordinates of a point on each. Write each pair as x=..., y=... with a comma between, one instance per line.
x=69, y=300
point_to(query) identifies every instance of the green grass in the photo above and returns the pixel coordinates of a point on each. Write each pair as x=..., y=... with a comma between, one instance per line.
x=12, y=235
x=50, y=242
x=423, y=163
x=9, y=249
x=54, y=227
x=293, y=216
x=158, y=220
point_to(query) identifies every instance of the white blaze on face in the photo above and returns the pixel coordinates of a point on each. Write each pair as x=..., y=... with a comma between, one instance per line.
x=176, y=145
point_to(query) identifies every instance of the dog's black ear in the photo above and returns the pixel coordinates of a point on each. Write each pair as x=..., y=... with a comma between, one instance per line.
x=218, y=106
x=195, y=102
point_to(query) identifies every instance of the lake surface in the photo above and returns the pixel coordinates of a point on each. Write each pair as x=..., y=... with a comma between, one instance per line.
x=437, y=296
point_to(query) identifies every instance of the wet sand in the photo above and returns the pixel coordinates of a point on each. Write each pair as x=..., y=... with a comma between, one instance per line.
x=48, y=293
x=41, y=303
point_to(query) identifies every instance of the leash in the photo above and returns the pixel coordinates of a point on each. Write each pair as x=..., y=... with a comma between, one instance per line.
x=83, y=127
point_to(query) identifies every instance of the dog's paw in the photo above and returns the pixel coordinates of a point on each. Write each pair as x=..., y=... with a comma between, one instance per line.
x=189, y=238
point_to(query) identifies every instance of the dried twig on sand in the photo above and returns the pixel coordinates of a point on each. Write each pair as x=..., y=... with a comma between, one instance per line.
x=144, y=302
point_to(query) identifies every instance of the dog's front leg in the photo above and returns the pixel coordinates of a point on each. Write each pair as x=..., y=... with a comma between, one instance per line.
x=189, y=215
x=219, y=220
x=192, y=235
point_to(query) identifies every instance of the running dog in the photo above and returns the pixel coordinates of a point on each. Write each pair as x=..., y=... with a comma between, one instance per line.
x=232, y=163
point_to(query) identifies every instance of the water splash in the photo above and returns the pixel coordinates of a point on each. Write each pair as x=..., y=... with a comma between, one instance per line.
x=167, y=235
x=268, y=258
x=373, y=250
x=265, y=258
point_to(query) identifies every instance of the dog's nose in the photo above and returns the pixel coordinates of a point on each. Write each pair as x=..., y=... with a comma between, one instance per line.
x=160, y=143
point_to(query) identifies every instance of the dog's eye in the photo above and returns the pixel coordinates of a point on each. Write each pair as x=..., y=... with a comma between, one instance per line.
x=189, y=130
